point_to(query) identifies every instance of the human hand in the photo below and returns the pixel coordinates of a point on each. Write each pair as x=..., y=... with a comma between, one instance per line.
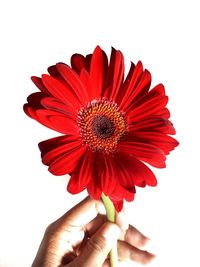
x=83, y=237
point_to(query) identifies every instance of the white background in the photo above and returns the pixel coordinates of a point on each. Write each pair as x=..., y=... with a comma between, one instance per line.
x=36, y=34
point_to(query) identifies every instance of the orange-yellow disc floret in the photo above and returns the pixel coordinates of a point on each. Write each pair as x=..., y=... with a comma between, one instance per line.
x=102, y=125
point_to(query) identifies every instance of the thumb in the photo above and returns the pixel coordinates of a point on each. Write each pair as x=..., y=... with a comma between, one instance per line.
x=98, y=246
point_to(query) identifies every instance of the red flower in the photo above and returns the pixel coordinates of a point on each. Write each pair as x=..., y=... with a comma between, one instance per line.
x=110, y=125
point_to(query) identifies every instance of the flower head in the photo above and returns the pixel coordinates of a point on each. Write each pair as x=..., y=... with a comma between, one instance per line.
x=110, y=126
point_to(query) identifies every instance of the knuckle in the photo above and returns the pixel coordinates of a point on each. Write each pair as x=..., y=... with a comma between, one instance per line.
x=50, y=228
x=97, y=244
x=51, y=234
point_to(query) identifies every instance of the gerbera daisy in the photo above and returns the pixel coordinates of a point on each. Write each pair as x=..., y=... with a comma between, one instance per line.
x=111, y=126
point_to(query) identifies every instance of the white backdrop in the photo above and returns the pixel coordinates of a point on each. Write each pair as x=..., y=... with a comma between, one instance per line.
x=36, y=34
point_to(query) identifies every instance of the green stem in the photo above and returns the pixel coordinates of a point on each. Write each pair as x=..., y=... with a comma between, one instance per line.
x=110, y=212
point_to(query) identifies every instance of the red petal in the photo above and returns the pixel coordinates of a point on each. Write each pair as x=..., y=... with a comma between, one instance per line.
x=93, y=190
x=118, y=205
x=33, y=104
x=138, y=91
x=82, y=175
x=119, y=195
x=125, y=169
x=154, y=124
x=61, y=92
x=30, y=112
x=98, y=68
x=136, y=76
x=157, y=91
x=139, y=173
x=57, y=121
x=53, y=71
x=52, y=143
x=73, y=81
x=60, y=150
x=85, y=79
x=108, y=178
x=78, y=63
x=162, y=141
x=116, y=73
x=111, y=185
x=149, y=108
x=94, y=185
x=164, y=113
x=64, y=124
x=38, y=82
x=67, y=162
x=35, y=99
x=88, y=60
x=56, y=105
x=145, y=152
x=125, y=84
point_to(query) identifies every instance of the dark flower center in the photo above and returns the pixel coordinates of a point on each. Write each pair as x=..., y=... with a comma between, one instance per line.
x=103, y=126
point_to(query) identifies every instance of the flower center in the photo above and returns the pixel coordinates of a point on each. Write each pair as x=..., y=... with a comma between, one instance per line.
x=102, y=125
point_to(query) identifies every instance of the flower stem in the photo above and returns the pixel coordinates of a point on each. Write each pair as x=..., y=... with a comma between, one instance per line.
x=110, y=212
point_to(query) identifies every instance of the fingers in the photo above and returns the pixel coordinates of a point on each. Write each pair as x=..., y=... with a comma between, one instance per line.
x=85, y=216
x=122, y=220
x=129, y=233
x=81, y=214
x=135, y=238
x=95, y=224
x=98, y=247
x=132, y=243
x=127, y=252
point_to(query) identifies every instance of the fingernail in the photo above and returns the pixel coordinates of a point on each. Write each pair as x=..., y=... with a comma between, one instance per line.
x=122, y=221
x=150, y=246
x=154, y=261
x=100, y=208
x=111, y=232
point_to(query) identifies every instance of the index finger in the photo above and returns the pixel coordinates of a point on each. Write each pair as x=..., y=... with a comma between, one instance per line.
x=81, y=214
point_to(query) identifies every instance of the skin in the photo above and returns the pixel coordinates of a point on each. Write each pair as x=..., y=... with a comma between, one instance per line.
x=82, y=237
